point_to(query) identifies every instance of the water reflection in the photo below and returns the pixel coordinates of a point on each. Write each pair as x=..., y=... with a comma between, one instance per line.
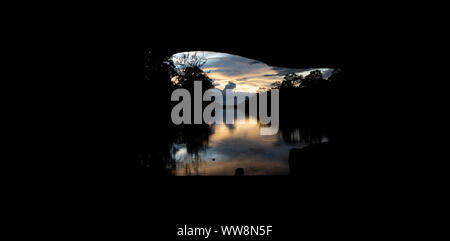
x=240, y=145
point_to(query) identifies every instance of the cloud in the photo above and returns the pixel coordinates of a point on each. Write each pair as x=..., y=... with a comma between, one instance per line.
x=230, y=85
x=327, y=73
x=243, y=74
x=254, y=62
x=284, y=71
x=242, y=79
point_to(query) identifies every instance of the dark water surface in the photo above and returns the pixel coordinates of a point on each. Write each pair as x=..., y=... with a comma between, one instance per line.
x=239, y=145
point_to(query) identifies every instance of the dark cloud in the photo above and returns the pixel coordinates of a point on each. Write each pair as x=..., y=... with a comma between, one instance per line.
x=232, y=65
x=254, y=62
x=284, y=71
x=230, y=85
x=242, y=79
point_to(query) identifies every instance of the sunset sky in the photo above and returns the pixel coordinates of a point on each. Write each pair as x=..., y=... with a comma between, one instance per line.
x=243, y=74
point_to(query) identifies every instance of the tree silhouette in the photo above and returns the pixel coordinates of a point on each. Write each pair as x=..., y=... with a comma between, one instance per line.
x=290, y=81
x=186, y=60
x=294, y=81
x=189, y=69
x=314, y=78
x=187, y=76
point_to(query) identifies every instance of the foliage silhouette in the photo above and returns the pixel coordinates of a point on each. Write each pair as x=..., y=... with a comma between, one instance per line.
x=189, y=67
x=307, y=106
x=155, y=152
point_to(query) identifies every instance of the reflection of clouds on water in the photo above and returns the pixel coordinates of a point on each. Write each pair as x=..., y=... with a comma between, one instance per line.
x=180, y=153
x=240, y=147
